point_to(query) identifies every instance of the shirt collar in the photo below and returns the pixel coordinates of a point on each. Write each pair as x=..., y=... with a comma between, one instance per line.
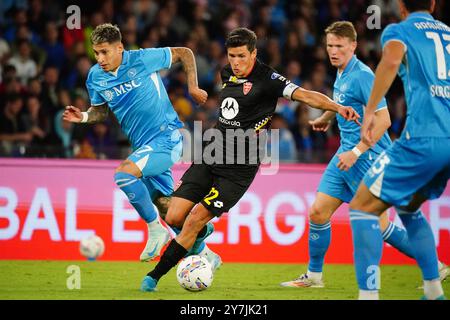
x=125, y=59
x=349, y=66
x=420, y=14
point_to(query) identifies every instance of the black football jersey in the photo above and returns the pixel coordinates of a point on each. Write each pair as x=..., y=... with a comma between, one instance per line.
x=246, y=107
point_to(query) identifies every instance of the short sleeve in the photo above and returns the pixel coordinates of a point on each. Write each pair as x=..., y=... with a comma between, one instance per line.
x=393, y=33
x=365, y=81
x=279, y=86
x=95, y=97
x=156, y=59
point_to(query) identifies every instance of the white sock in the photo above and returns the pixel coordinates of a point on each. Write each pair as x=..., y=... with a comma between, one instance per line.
x=154, y=224
x=314, y=275
x=368, y=295
x=432, y=289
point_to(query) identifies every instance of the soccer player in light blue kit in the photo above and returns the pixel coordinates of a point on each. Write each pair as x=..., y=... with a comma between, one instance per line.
x=129, y=83
x=352, y=160
x=417, y=166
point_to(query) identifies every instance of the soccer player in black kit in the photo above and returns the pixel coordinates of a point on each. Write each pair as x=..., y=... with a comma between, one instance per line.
x=248, y=99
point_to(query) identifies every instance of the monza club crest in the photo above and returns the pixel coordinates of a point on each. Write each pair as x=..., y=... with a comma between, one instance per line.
x=247, y=87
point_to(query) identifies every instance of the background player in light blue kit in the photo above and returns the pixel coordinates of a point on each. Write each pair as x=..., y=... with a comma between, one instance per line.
x=352, y=160
x=129, y=83
x=417, y=166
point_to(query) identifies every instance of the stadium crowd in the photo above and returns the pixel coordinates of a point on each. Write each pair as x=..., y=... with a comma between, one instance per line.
x=44, y=65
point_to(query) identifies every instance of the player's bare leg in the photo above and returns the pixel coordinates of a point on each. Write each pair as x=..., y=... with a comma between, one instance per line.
x=176, y=215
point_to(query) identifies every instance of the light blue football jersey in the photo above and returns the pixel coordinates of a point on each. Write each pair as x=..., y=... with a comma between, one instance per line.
x=352, y=89
x=136, y=94
x=425, y=73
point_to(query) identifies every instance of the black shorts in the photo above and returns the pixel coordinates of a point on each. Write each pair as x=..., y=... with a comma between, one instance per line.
x=218, y=188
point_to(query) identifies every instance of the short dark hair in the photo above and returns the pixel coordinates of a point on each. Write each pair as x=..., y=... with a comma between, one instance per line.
x=417, y=5
x=106, y=33
x=241, y=37
x=343, y=29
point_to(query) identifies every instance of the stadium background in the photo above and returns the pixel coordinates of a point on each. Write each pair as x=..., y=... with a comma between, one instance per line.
x=48, y=203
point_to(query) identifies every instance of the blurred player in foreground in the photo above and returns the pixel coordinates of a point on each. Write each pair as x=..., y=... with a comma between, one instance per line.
x=354, y=157
x=417, y=165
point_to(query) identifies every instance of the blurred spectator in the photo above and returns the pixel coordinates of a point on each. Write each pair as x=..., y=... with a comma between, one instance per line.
x=290, y=39
x=50, y=88
x=63, y=132
x=102, y=143
x=85, y=151
x=14, y=133
x=285, y=142
x=26, y=67
x=55, y=53
x=39, y=126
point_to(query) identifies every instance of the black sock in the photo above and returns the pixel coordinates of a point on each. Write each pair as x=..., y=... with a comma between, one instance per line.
x=169, y=259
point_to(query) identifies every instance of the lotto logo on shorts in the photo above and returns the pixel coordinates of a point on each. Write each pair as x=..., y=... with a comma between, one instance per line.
x=218, y=204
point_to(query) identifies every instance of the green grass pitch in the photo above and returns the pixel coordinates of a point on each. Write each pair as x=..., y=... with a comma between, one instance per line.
x=233, y=281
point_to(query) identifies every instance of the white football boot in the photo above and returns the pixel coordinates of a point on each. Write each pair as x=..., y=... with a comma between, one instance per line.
x=303, y=281
x=158, y=237
x=213, y=258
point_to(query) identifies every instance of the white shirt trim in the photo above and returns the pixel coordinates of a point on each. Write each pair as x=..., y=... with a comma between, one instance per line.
x=170, y=58
x=382, y=108
x=404, y=44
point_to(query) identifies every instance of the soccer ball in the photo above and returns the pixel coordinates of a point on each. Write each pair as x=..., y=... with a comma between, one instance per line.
x=194, y=273
x=92, y=247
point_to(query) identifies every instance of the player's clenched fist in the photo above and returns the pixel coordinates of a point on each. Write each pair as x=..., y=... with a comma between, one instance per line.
x=72, y=114
x=320, y=124
x=198, y=95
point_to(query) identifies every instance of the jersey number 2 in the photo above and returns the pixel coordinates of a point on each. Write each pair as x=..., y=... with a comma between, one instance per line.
x=440, y=54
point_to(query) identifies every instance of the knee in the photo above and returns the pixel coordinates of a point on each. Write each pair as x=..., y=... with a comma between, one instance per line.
x=173, y=220
x=128, y=167
x=319, y=215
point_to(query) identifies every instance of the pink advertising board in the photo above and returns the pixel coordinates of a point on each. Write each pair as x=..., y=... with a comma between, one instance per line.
x=47, y=206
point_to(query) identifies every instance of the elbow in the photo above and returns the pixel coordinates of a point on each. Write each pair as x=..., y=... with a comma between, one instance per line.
x=391, y=63
x=387, y=124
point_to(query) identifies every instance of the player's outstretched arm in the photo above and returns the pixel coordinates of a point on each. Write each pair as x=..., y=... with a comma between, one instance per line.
x=187, y=59
x=320, y=101
x=385, y=74
x=93, y=115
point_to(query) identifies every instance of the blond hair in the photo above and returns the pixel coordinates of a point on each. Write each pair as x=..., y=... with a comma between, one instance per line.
x=344, y=29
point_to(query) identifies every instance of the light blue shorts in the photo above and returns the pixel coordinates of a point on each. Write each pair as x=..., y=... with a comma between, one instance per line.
x=343, y=184
x=155, y=160
x=417, y=165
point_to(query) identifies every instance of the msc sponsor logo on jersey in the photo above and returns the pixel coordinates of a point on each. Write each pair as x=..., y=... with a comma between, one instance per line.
x=121, y=89
x=339, y=97
x=229, y=108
